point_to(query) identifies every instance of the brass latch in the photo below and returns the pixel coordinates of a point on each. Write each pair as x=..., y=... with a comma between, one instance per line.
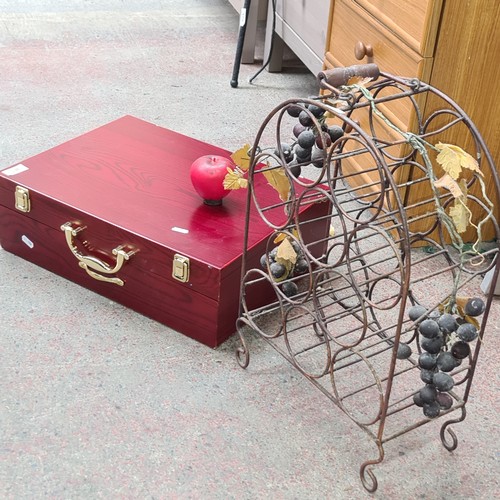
x=23, y=203
x=180, y=270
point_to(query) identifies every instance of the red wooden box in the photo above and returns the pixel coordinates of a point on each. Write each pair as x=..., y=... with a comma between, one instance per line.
x=114, y=210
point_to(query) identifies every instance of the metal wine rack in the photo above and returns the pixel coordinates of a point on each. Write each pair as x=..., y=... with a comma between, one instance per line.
x=391, y=244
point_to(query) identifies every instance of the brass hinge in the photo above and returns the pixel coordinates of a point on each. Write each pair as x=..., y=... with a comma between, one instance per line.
x=180, y=269
x=23, y=202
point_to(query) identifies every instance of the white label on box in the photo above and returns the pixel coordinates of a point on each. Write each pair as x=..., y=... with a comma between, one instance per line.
x=27, y=241
x=17, y=169
x=243, y=17
x=180, y=230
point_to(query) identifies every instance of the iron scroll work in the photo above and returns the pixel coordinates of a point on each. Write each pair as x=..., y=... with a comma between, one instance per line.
x=389, y=246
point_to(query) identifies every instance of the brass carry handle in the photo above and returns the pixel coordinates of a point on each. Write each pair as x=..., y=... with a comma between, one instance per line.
x=93, y=265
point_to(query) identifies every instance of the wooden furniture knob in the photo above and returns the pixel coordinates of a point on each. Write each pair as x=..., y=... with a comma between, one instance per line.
x=361, y=51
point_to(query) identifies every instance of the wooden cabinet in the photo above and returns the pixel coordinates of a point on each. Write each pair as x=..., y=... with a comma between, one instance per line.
x=453, y=45
x=303, y=27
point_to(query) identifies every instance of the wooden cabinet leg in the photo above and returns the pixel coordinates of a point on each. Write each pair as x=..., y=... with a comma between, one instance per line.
x=273, y=41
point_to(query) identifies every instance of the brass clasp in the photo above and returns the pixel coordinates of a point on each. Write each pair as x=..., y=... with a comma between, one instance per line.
x=180, y=269
x=23, y=202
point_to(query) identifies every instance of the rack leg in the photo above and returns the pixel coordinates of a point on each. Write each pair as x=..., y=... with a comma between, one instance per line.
x=366, y=474
x=242, y=352
x=450, y=446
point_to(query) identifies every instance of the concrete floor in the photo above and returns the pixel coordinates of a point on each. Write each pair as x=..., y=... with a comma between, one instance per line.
x=97, y=401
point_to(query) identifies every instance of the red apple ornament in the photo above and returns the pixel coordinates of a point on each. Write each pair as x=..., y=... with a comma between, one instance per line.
x=207, y=176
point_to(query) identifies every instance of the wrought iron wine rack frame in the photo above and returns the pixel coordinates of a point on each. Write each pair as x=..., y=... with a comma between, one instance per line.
x=389, y=246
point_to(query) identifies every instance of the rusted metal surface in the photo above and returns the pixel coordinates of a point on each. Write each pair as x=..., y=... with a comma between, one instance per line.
x=390, y=247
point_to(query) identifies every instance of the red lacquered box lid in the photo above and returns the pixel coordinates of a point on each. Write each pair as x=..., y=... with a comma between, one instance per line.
x=135, y=176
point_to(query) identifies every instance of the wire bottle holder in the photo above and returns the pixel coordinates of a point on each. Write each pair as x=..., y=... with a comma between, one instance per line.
x=399, y=235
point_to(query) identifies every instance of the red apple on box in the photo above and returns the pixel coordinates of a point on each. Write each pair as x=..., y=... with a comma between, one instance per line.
x=207, y=176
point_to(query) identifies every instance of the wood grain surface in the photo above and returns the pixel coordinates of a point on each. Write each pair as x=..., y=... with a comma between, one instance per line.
x=128, y=184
